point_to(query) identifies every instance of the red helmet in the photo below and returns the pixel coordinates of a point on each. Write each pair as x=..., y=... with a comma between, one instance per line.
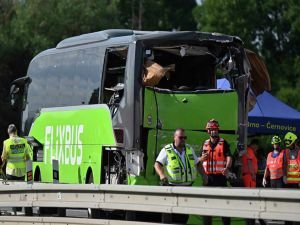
x=212, y=124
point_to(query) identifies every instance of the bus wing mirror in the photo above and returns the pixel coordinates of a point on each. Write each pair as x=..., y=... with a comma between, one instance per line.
x=18, y=93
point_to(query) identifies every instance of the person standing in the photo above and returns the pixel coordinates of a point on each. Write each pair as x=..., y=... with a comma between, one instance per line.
x=15, y=153
x=292, y=154
x=249, y=171
x=216, y=160
x=276, y=165
x=261, y=166
x=249, y=165
x=177, y=165
x=293, y=160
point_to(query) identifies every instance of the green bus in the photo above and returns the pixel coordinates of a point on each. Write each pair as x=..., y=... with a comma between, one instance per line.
x=104, y=104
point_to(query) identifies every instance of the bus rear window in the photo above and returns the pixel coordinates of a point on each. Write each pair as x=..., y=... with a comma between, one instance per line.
x=180, y=68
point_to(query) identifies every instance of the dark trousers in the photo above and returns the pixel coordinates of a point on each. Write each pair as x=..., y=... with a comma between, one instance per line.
x=216, y=180
x=277, y=183
x=259, y=179
x=11, y=177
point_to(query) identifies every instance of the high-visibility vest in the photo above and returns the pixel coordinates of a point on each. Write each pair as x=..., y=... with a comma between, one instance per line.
x=16, y=148
x=216, y=161
x=275, y=165
x=175, y=169
x=293, y=168
x=249, y=155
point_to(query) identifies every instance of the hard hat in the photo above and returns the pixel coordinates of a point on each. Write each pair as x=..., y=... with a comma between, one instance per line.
x=289, y=139
x=275, y=140
x=212, y=124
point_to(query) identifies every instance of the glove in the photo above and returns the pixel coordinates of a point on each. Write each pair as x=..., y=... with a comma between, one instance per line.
x=164, y=182
x=264, y=182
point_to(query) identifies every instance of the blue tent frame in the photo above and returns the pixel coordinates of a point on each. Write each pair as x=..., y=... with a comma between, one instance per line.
x=269, y=115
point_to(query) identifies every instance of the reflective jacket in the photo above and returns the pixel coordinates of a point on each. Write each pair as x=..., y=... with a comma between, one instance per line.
x=175, y=168
x=249, y=155
x=293, y=168
x=275, y=165
x=16, y=150
x=216, y=161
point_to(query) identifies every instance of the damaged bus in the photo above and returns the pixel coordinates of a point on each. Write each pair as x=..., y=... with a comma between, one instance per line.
x=104, y=104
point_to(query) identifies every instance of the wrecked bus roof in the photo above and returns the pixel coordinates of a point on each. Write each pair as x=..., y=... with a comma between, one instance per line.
x=133, y=35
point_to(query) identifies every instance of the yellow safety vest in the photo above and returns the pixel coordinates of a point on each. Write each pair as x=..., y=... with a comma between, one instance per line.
x=175, y=168
x=16, y=150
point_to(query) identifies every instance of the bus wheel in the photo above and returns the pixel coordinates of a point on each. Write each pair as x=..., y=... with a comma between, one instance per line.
x=46, y=210
x=92, y=213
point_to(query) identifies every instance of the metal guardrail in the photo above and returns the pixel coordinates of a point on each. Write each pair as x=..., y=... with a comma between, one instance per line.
x=22, y=220
x=283, y=204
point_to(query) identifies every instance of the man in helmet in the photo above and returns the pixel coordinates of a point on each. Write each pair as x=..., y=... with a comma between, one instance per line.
x=293, y=160
x=216, y=160
x=276, y=165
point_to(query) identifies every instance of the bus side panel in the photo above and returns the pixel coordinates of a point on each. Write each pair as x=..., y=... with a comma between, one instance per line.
x=74, y=136
x=190, y=110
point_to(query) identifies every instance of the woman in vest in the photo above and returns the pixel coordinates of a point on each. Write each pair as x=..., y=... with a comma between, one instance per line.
x=276, y=164
x=15, y=153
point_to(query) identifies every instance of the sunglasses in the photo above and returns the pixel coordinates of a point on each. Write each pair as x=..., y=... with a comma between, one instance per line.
x=182, y=137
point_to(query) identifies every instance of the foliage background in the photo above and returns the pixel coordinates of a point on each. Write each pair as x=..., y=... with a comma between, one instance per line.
x=268, y=27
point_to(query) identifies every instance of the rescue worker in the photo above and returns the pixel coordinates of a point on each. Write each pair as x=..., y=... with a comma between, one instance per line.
x=293, y=163
x=293, y=160
x=276, y=165
x=261, y=166
x=216, y=160
x=15, y=153
x=249, y=165
x=249, y=171
x=177, y=165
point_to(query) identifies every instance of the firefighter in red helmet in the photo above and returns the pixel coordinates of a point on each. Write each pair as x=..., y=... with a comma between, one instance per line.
x=216, y=160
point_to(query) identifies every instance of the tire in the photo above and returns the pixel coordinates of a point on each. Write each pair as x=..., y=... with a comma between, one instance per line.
x=47, y=210
x=92, y=213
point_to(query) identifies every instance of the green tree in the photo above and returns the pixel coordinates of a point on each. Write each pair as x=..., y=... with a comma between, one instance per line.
x=269, y=27
x=157, y=15
x=40, y=24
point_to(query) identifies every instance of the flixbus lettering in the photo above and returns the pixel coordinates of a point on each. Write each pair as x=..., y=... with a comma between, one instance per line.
x=88, y=101
x=63, y=142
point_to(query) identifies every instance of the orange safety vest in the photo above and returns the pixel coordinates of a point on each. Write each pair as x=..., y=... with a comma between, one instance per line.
x=249, y=155
x=275, y=165
x=293, y=170
x=216, y=160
